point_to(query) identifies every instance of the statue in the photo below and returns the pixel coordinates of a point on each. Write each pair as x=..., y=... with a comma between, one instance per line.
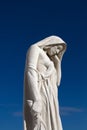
x=41, y=77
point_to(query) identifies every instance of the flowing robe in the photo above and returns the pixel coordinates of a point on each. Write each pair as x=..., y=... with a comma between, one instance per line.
x=41, y=107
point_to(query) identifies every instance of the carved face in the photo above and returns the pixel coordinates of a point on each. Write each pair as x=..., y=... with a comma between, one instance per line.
x=54, y=50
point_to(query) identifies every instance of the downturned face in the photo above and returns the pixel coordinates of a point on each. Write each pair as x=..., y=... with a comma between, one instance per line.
x=54, y=50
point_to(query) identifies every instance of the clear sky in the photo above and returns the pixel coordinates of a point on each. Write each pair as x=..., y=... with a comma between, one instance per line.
x=23, y=23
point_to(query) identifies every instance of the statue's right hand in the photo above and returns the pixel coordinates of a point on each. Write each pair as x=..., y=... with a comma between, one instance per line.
x=35, y=106
x=35, y=109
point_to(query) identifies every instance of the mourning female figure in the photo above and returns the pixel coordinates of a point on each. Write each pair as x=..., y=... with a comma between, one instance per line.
x=41, y=78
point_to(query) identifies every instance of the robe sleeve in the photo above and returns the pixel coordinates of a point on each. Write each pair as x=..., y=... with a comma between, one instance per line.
x=58, y=69
x=57, y=59
x=32, y=80
x=58, y=63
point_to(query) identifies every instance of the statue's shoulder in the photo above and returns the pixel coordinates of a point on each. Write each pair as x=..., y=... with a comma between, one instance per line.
x=32, y=49
x=34, y=46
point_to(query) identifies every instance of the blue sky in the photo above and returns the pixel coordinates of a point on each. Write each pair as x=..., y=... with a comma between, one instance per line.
x=23, y=23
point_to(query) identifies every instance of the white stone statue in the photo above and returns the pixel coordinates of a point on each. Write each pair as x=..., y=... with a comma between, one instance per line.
x=41, y=78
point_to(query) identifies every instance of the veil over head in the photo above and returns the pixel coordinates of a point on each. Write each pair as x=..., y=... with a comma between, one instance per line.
x=52, y=41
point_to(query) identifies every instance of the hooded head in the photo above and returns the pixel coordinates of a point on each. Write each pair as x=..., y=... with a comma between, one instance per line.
x=53, y=41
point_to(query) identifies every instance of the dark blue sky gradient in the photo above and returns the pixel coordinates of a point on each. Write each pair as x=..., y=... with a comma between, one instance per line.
x=23, y=23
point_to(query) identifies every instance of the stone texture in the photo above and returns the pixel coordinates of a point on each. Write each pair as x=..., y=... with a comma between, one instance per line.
x=41, y=78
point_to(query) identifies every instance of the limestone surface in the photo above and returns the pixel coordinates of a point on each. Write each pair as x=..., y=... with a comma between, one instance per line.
x=42, y=78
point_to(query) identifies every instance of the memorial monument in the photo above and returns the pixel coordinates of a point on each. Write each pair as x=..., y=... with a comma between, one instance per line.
x=42, y=78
